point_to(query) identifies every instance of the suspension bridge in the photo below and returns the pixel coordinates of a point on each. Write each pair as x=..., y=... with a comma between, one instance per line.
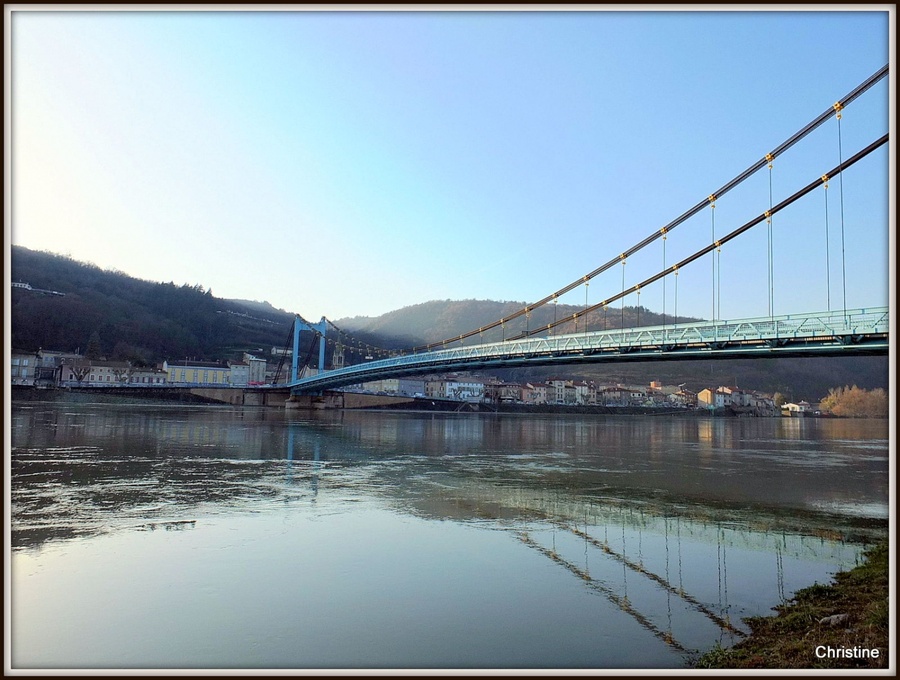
x=837, y=331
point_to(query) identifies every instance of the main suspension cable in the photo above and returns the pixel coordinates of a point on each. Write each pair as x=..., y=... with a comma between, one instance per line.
x=827, y=247
x=784, y=146
x=724, y=239
x=838, y=107
x=771, y=252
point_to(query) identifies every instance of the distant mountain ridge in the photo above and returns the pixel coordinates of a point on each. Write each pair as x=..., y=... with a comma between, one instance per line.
x=437, y=320
x=146, y=322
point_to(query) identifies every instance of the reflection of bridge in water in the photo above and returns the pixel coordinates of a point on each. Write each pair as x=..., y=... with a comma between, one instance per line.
x=667, y=568
x=314, y=446
x=596, y=584
x=680, y=572
x=669, y=580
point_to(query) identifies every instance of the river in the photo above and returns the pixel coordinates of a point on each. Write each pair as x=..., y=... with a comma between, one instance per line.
x=177, y=537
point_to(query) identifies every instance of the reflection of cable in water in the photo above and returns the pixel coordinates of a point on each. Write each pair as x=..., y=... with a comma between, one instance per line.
x=629, y=564
x=586, y=568
x=289, y=477
x=641, y=540
x=316, y=464
x=678, y=529
x=621, y=602
x=722, y=564
x=314, y=481
x=719, y=564
x=725, y=575
x=779, y=570
x=668, y=590
x=624, y=566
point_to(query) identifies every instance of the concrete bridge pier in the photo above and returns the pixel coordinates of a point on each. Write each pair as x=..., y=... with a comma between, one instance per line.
x=308, y=402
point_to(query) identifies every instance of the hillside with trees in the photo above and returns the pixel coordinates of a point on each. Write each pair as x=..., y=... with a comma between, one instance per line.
x=113, y=315
x=438, y=320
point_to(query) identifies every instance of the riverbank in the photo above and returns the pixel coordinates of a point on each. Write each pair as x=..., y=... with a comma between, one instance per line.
x=452, y=405
x=331, y=400
x=161, y=394
x=840, y=625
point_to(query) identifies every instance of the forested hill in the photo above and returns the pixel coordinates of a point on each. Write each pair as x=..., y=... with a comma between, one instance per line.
x=136, y=320
x=441, y=319
x=147, y=322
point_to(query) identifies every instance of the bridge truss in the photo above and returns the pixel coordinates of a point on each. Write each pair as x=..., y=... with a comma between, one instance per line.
x=836, y=333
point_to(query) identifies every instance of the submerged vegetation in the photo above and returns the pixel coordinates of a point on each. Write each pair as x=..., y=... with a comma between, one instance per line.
x=841, y=625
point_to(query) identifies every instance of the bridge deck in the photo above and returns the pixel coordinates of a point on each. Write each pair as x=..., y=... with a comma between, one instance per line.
x=857, y=331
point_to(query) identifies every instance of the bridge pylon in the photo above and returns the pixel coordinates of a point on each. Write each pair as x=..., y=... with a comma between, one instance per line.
x=319, y=328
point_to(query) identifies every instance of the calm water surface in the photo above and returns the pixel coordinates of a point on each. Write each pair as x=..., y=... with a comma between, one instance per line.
x=206, y=537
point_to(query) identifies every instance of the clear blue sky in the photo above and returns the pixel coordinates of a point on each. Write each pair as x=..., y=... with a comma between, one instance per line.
x=351, y=163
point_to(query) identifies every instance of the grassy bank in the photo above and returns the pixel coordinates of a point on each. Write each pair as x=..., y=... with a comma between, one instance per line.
x=857, y=604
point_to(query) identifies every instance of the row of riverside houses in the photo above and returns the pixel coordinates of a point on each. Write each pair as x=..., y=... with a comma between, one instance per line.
x=574, y=392
x=553, y=391
x=737, y=400
x=47, y=368
x=588, y=393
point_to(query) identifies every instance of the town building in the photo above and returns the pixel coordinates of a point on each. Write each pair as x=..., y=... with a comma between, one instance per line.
x=581, y=392
x=147, y=376
x=197, y=373
x=257, y=369
x=563, y=391
x=240, y=373
x=684, y=398
x=22, y=367
x=96, y=372
x=47, y=370
x=410, y=387
x=798, y=410
x=710, y=399
x=537, y=393
x=453, y=388
x=502, y=392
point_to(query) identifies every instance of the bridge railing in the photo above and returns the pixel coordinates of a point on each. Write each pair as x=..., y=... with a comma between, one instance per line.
x=834, y=324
